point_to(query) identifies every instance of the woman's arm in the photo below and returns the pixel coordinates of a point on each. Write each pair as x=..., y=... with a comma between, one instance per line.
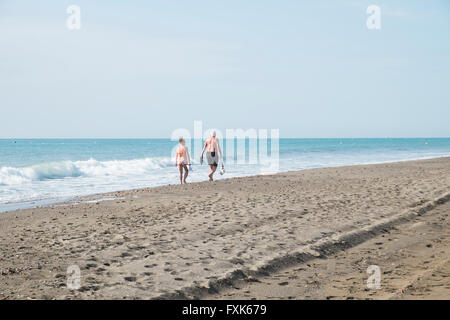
x=188, y=156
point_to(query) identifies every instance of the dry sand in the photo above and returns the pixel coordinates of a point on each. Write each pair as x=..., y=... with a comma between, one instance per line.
x=195, y=240
x=414, y=262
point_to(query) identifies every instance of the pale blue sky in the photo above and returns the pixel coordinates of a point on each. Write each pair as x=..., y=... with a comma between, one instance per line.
x=140, y=69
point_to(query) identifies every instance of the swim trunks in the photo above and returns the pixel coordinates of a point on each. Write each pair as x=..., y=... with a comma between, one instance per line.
x=212, y=158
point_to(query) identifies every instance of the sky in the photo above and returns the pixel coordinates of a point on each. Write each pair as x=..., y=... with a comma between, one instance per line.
x=142, y=69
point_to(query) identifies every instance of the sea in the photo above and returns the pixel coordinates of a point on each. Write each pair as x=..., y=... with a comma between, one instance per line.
x=35, y=172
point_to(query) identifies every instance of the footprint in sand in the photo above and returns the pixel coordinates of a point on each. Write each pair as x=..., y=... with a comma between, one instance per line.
x=130, y=279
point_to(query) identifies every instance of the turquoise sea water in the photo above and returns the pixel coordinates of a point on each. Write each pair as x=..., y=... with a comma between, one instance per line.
x=49, y=170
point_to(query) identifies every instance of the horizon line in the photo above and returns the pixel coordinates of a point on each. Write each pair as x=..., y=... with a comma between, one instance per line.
x=159, y=138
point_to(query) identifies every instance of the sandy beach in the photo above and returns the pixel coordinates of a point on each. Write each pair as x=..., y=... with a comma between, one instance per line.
x=414, y=261
x=307, y=234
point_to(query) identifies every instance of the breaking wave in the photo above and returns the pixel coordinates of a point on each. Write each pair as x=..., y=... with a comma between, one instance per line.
x=90, y=168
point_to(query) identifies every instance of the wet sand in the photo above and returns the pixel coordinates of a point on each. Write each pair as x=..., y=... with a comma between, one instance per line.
x=200, y=240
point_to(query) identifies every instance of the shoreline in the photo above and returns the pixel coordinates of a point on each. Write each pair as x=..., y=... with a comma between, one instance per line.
x=67, y=201
x=178, y=241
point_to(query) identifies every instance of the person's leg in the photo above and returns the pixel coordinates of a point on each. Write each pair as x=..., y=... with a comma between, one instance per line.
x=186, y=172
x=211, y=172
x=180, y=168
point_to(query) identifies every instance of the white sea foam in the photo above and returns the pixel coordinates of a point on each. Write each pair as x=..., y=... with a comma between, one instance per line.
x=11, y=176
